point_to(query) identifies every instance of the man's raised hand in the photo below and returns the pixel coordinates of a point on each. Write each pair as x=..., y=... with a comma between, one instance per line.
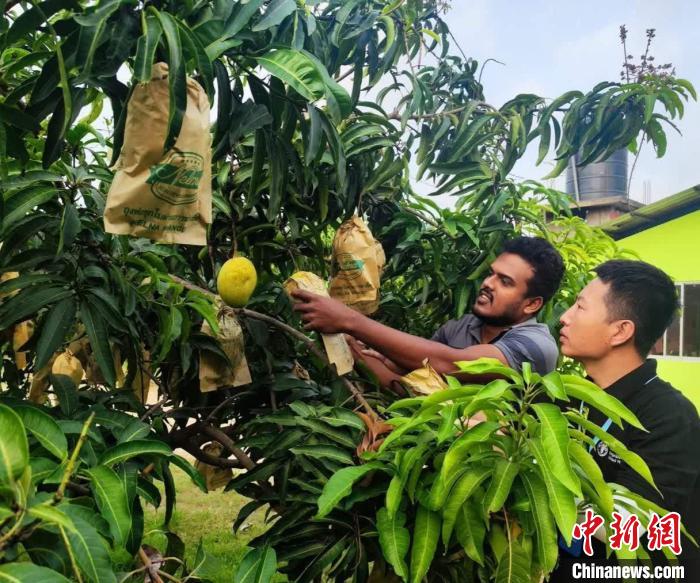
x=322, y=314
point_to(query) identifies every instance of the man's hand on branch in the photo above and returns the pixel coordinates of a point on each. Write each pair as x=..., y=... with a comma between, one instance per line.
x=322, y=314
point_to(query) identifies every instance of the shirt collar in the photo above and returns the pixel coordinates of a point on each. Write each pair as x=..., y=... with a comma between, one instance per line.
x=633, y=381
x=475, y=325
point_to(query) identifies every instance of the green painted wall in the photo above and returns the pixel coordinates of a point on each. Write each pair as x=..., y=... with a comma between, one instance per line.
x=674, y=247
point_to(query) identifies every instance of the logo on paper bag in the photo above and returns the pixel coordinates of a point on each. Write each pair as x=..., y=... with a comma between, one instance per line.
x=176, y=180
x=350, y=266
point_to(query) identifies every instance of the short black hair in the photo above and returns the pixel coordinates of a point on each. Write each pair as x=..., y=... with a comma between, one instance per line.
x=545, y=260
x=643, y=294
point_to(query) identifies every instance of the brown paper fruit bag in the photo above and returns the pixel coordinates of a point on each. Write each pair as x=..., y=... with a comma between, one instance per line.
x=358, y=261
x=164, y=196
x=425, y=380
x=214, y=372
x=336, y=346
x=214, y=476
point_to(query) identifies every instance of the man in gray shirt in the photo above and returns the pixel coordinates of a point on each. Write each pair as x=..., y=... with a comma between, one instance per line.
x=502, y=325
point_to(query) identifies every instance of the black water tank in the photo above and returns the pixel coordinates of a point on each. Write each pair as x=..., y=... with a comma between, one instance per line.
x=600, y=179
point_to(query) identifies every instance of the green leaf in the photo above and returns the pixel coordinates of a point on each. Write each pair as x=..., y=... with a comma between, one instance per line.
x=29, y=302
x=340, y=485
x=48, y=513
x=19, y=203
x=241, y=17
x=138, y=447
x=112, y=501
x=426, y=532
x=295, y=69
x=146, y=48
x=394, y=539
x=29, y=21
x=45, y=429
x=21, y=572
x=591, y=470
x=276, y=12
x=19, y=119
x=14, y=450
x=258, y=566
x=586, y=391
x=500, y=485
x=554, y=386
x=177, y=81
x=323, y=451
x=471, y=531
x=461, y=446
x=554, y=436
x=561, y=499
x=56, y=326
x=546, y=535
x=464, y=487
x=629, y=457
x=96, y=329
x=197, y=478
x=90, y=550
x=514, y=565
x=483, y=366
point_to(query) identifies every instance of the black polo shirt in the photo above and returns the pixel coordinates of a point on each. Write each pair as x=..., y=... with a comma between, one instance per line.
x=671, y=449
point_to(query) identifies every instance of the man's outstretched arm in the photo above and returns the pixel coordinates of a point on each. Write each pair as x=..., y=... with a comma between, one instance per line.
x=330, y=316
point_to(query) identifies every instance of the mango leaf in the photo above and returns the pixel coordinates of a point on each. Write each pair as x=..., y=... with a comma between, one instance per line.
x=29, y=302
x=554, y=436
x=471, y=531
x=554, y=386
x=22, y=572
x=546, y=535
x=129, y=449
x=177, y=82
x=258, y=566
x=586, y=391
x=197, y=478
x=514, y=565
x=90, y=550
x=592, y=471
x=57, y=323
x=561, y=499
x=48, y=513
x=112, y=501
x=464, y=487
x=239, y=18
x=45, y=429
x=323, y=451
x=616, y=446
x=486, y=365
x=426, y=533
x=14, y=450
x=340, y=485
x=276, y=12
x=296, y=70
x=500, y=485
x=394, y=539
x=146, y=48
x=461, y=446
x=97, y=332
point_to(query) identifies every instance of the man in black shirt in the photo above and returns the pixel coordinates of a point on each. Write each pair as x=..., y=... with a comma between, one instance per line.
x=610, y=329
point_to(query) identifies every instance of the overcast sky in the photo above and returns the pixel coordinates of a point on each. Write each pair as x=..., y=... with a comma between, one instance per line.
x=550, y=47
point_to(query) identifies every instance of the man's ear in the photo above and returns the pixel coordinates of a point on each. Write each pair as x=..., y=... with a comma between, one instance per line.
x=623, y=333
x=533, y=305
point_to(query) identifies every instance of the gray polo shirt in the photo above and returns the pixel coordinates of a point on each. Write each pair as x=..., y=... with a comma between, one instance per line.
x=528, y=341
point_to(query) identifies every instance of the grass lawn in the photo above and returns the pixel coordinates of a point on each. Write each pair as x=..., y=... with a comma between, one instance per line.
x=208, y=517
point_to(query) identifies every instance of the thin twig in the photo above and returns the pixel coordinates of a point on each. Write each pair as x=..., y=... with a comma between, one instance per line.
x=58, y=496
x=69, y=550
x=150, y=569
